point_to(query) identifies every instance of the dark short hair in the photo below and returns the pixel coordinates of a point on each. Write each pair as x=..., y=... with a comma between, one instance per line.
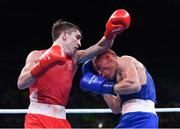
x=60, y=26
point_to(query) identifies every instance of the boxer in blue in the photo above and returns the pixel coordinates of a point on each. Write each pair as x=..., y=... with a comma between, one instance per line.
x=126, y=86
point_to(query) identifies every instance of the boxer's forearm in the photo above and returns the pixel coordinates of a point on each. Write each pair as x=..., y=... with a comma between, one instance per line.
x=113, y=102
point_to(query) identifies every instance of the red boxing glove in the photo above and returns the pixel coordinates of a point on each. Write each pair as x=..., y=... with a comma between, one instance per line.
x=51, y=57
x=117, y=22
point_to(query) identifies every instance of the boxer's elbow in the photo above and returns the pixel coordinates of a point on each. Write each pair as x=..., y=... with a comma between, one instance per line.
x=25, y=80
x=20, y=85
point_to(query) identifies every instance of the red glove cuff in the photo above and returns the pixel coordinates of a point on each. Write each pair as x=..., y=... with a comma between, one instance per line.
x=113, y=30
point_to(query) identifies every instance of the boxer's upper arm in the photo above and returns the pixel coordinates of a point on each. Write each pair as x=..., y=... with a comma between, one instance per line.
x=130, y=82
x=25, y=78
x=31, y=60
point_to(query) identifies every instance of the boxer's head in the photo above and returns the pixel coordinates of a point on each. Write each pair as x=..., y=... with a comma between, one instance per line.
x=68, y=35
x=106, y=64
x=63, y=26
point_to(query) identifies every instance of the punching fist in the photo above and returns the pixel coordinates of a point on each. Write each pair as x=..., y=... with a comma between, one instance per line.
x=117, y=22
x=54, y=55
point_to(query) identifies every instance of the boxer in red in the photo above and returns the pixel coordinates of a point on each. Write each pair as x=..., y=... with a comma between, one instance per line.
x=49, y=73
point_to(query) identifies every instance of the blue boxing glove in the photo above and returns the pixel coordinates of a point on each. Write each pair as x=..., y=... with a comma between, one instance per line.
x=88, y=67
x=96, y=84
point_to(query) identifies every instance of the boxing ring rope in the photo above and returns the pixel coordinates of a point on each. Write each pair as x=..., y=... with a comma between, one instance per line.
x=81, y=111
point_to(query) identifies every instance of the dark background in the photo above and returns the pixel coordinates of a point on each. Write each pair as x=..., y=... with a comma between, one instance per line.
x=153, y=38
